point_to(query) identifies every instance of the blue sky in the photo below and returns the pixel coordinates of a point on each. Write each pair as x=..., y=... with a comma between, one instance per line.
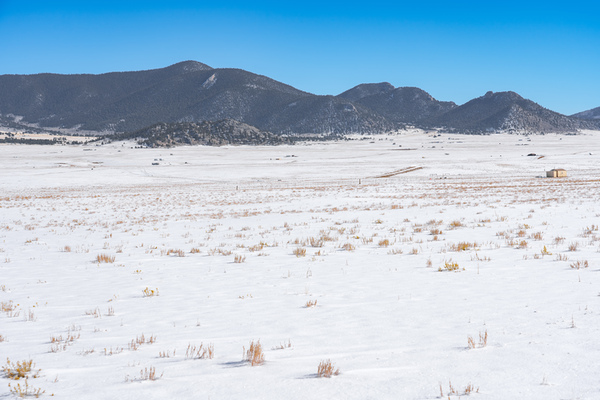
x=549, y=53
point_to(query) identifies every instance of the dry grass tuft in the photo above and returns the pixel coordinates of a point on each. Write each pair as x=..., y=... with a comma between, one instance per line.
x=314, y=242
x=463, y=246
x=254, y=355
x=150, y=292
x=349, y=247
x=140, y=340
x=580, y=264
x=536, y=236
x=299, y=252
x=20, y=369
x=465, y=392
x=562, y=257
x=238, y=259
x=176, y=252
x=200, y=352
x=455, y=224
x=449, y=266
x=483, y=338
x=573, y=246
x=326, y=369
x=283, y=345
x=149, y=374
x=105, y=258
x=384, y=243
x=311, y=303
x=25, y=390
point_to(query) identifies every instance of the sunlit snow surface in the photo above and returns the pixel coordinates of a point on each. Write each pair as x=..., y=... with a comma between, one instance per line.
x=394, y=325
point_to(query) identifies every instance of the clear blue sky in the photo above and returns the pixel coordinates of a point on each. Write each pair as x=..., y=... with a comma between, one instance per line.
x=549, y=53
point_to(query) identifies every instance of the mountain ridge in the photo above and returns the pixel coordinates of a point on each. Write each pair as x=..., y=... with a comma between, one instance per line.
x=192, y=92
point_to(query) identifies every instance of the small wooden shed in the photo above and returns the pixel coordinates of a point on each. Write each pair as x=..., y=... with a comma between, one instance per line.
x=556, y=173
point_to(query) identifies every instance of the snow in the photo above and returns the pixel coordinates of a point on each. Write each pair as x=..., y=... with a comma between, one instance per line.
x=396, y=327
x=210, y=81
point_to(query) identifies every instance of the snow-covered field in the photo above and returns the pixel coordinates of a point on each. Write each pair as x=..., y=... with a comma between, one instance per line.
x=309, y=250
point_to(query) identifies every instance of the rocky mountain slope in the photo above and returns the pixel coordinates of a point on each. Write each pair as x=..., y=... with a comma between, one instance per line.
x=400, y=105
x=192, y=92
x=594, y=113
x=507, y=111
x=184, y=92
x=216, y=133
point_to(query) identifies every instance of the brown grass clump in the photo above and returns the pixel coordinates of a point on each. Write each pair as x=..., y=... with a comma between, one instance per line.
x=176, y=252
x=384, y=243
x=449, y=266
x=326, y=369
x=562, y=257
x=580, y=264
x=283, y=345
x=455, y=224
x=300, y=252
x=149, y=374
x=349, y=247
x=573, y=246
x=545, y=252
x=20, y=369
x=311, y=303
x=314, y=242
x=463, y=246
x=483, y=338
x=140, y=340
x=9, y=308
x=366, y=240
x=453, y=392
x=254, y=355
x=150, y=292
x=238, y=259
x=559, y=240
x=105, y=258
x=195, y=250
x=536, y=236
x=522, y=244
x=25, y=390
x=200, y=352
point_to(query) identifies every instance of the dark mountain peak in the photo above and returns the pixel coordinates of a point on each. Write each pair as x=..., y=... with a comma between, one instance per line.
x=365, y=90
x=502, y=96
x=189, y=66
x=399, y=105
x=594, y=113
x=507, y=111
x=191, y=92
x=410, y=92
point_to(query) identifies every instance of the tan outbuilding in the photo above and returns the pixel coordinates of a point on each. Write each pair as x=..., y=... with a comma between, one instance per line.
x=556, y=173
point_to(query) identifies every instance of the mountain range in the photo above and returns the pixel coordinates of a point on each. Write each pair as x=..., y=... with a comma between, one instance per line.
x=192, y=92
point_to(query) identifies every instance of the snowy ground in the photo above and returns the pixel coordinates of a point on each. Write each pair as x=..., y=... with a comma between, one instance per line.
x=394, y=324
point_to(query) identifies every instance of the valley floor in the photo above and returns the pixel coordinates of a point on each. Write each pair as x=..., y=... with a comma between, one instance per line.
x=422, y=267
